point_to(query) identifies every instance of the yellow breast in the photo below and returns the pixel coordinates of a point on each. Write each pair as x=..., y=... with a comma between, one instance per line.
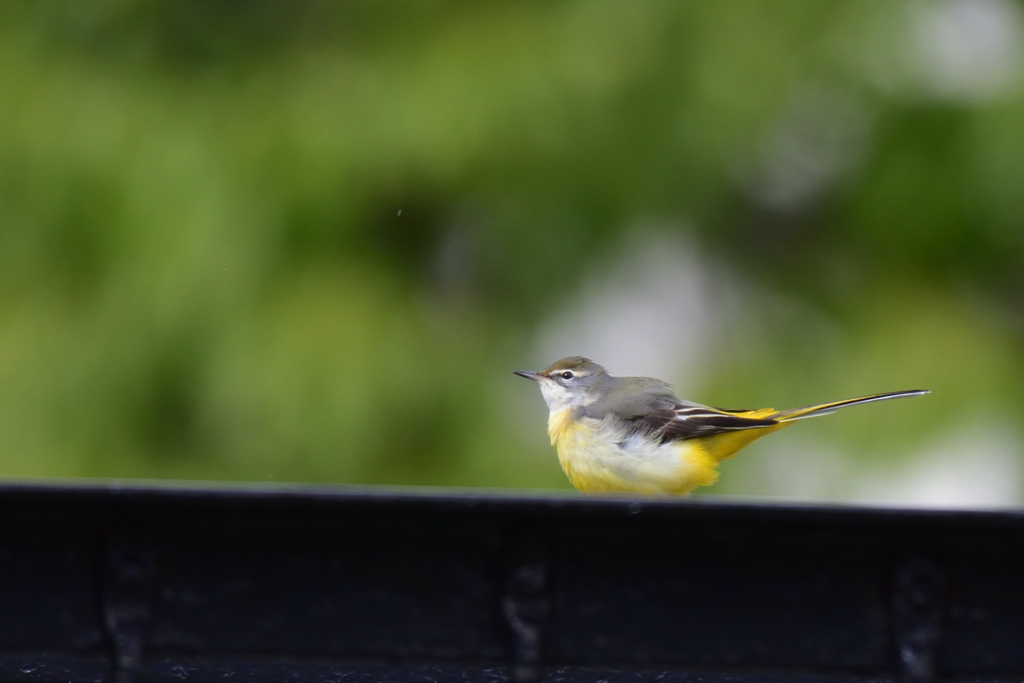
x=595, y=458
x=560, y=426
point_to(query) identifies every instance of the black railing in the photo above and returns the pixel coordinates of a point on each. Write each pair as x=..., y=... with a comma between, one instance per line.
x=250, y=585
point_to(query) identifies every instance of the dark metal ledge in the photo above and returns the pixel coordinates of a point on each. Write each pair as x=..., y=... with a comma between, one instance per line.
x=124, y=583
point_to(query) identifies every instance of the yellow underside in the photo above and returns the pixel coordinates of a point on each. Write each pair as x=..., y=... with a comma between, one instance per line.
x=594, y=465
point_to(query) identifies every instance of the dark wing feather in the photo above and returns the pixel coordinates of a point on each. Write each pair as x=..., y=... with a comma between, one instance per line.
x=679, y=422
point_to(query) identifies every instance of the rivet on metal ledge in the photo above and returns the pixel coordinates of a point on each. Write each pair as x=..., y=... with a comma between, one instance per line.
x=525, y=605
x=128, y=583
x=918, y=604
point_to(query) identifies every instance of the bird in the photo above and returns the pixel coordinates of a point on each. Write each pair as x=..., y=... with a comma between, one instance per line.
x=633, y=435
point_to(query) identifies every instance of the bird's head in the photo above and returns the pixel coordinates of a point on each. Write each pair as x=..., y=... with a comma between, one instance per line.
x=568, y=383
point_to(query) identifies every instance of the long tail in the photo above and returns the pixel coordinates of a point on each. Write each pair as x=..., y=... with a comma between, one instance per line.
x=826, y=408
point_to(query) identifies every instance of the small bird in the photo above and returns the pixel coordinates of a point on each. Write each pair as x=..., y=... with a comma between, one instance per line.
x=633, y=434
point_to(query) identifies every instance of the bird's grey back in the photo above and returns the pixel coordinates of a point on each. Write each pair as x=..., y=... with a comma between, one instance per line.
x=629, y=397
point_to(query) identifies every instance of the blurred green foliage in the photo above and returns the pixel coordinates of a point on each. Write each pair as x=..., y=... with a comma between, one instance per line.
x=309, y=240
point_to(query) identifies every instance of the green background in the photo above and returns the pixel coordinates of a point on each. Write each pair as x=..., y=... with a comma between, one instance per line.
x=308, y=241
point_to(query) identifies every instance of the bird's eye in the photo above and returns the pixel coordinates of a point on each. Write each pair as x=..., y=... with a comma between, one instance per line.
x=567, y=375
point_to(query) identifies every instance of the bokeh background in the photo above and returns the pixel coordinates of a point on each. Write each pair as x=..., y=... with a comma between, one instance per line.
x=308, y=241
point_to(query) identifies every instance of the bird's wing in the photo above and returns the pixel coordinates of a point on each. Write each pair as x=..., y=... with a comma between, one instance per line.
x=679, y=421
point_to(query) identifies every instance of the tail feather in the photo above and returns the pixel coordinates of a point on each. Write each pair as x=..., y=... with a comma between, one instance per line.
x=827, y=408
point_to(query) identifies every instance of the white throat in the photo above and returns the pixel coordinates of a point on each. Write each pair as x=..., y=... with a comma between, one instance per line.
x=556, y=396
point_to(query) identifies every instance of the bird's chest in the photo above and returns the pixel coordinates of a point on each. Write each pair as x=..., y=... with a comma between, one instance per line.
x=591, y=452
x=561, y=426
x=578, y=437
x=598, y=456
x=578, y=442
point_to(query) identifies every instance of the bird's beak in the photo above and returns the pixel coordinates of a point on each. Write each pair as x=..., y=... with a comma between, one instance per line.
x=529, y=374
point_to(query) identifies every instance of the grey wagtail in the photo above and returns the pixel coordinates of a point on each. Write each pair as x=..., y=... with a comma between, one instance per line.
x=634, y=434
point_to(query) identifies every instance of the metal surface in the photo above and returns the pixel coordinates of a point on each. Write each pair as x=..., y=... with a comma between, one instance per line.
x=108, y=583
